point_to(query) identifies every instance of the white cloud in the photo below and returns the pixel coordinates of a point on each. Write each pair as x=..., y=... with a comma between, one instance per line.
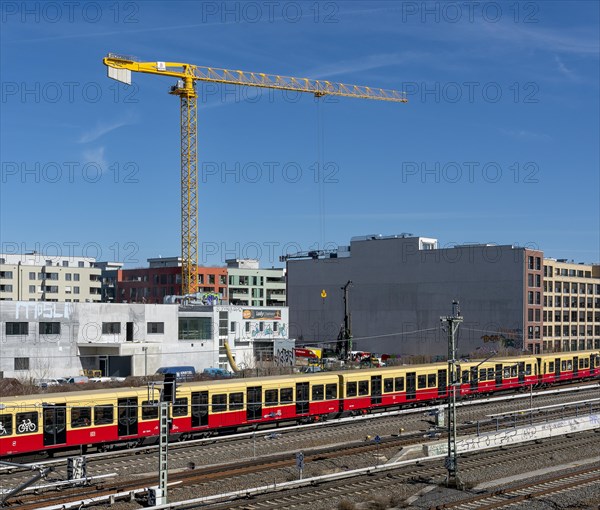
x=103, y=128
x=523, y=134
x=94, y=157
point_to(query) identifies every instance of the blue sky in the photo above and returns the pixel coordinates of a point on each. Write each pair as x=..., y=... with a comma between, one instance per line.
x=498, y=142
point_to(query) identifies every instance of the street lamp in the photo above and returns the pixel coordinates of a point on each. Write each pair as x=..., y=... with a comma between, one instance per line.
x=145, y=349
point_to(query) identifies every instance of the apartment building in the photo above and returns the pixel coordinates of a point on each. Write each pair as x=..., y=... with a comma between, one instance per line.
x=571, y=317
x=162, y=278
x=249, y=285
x=38, y=277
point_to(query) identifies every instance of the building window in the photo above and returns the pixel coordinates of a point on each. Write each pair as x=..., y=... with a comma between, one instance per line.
x=6, y=274
x=32, y=276
x=80, y=264
x=21, y=363
x=223, y=322
x=32, y=289
x=76, y=277
x=232, y=327
x=76, y=290
x=247, y=328
x=111, y=328
x=17, y=328
x=156, y=327
x=195, y=328
x=68, y=277
x=6, y=288
x=49, y=328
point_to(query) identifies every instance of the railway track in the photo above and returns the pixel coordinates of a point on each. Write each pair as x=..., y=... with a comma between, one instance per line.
x=362, y=488
x=209, y=480
x=505, y=498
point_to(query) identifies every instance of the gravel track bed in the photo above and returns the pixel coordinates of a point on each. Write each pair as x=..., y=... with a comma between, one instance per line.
x=581, y=498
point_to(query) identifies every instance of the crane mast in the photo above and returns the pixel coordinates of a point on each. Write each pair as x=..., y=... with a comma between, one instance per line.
x=120, y=68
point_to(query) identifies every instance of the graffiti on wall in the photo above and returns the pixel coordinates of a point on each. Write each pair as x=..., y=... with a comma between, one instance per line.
x=42, y=310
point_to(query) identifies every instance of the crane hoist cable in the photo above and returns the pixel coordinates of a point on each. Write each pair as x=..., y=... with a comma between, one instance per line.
x=120, y=68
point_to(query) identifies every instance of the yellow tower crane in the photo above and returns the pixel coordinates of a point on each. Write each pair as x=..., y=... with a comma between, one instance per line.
x=120, y=68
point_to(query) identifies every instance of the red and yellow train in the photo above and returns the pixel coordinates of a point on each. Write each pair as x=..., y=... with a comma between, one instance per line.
x=103, y=418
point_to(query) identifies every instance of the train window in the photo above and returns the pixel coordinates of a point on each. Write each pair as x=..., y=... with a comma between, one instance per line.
x=286, y=395
x=27, y=423
x=399, y=384
x=506, y=372
x=363, y=387
x=490, y=374
x=149, y=410
x=81, y=417
x=103, y=415
x=6, y=424
x=528, y=369
x=318, y=392
x=586, y=363
x=236, y=401
x=422, y=381
x=388, y=385
x=180, y=407
x=331, y=391
x=569, y=365
x=513, y=371
x=551, y=366
x=482, y=374
x=431, y=381
x=465, y=376
x=351, y=389
x=219, y=403
x=271, y=398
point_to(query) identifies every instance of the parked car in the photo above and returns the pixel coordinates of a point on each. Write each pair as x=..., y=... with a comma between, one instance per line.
x=182, y=373
x=217, y=372
x=44, y=383
x=78, y=379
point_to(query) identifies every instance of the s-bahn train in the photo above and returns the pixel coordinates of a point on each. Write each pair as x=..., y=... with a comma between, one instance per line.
x=105, y=418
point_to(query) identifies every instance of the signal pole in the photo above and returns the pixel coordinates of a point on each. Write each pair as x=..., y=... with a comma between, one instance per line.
x=347, y=324
x=452, y=323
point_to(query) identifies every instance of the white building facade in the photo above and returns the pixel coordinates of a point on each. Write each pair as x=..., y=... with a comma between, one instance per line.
x=58, y=339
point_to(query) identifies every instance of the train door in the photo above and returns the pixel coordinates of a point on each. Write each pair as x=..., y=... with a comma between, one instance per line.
x=376, y=390
x=474, y=379
x=498, y=375
x=592, y=366
x=575, y=366
x=411, y=385
x=442, y=382
x=302, y=398
x=557, y=367
x=521, y=372
x=55, y=424
x=199, y=409
x=254, y=403
x=128, y=416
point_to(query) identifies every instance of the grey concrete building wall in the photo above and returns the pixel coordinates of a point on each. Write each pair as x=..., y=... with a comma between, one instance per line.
x=399, y=288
